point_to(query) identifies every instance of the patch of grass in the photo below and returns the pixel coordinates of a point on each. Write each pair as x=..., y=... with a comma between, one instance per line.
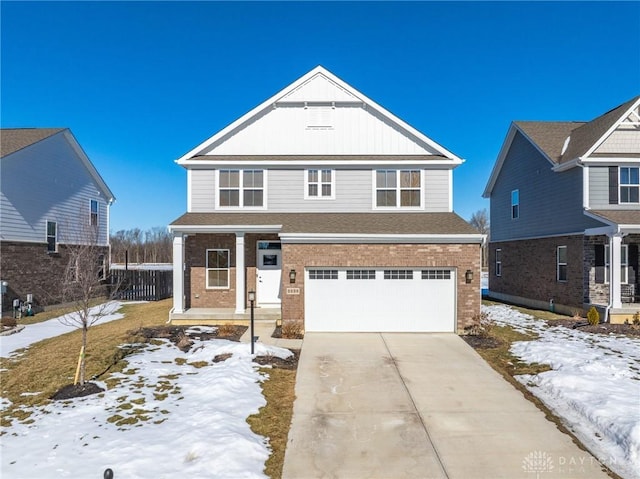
x=274, y=419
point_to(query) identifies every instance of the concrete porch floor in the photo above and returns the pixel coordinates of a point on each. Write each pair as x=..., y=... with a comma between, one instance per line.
x=204, y=316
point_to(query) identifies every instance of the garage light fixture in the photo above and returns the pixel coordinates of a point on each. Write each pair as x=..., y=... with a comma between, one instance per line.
x=468, y=276
x=292, y=276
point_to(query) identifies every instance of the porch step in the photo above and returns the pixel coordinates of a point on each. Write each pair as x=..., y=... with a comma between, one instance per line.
x=207, y=316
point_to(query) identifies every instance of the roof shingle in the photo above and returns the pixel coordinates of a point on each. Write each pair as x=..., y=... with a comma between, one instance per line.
x=14, y=139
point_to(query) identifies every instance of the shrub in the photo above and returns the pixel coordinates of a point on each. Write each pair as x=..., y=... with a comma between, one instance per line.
x=593, y=316
x=9, y=322
x=482, y=325
x=636, y=319
x=226, y=330
x=292, y=329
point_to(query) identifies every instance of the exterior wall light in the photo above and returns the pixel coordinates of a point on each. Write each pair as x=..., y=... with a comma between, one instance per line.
x=292, y=276
x=468, y=276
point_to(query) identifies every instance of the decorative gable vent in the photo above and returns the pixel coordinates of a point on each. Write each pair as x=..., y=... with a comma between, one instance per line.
x=320, y=117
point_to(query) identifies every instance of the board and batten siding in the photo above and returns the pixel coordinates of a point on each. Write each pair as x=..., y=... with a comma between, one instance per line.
x=44, y=182
x=354, y=191
x=550, y=202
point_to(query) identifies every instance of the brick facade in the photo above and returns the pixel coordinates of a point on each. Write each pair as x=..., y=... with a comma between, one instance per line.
x=30, y=269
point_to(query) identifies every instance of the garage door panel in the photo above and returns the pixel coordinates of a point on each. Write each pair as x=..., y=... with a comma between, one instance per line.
x=338, y=303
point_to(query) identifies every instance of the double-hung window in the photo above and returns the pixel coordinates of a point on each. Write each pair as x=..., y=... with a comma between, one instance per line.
x=498, y=262
x=515, y=204
x=94, y=212
x=319, y=184
x=398, y=188
x=561, y=257
x=241, y=188
x=52, y=236
x=217, y=269
x=624, y=263
x=629, y=184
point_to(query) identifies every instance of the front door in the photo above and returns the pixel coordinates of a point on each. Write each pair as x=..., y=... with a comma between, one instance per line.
x=269, y=273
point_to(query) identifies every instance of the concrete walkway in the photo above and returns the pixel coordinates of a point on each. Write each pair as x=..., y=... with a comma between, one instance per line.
x=263, y=330
x=417, y=406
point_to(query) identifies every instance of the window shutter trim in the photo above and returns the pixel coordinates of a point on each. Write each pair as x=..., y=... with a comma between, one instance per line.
x=613, y=185
x=599, y=251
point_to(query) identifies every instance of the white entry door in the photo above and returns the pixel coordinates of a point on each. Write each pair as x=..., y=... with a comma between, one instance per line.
x=269, y=273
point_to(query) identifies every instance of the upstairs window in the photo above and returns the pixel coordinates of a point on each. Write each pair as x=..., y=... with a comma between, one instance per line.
x=94, y=212
x=398, y=188
x=241, y=188
x=629, y=184
x=561, y=256
x=52, y=236
x=319, y=184
x=515, y=204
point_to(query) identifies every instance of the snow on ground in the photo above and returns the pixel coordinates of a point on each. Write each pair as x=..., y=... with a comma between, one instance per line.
x=173, y=414
x=594, y=384
x=33, y=333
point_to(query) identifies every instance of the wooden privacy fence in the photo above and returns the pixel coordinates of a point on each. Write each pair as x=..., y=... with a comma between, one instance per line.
x=141, y=285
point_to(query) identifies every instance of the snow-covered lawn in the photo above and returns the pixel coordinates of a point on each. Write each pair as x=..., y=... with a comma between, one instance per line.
x=594, y=385
x=172, y=414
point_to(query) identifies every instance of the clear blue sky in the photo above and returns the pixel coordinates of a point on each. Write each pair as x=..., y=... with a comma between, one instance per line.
x=141, y=83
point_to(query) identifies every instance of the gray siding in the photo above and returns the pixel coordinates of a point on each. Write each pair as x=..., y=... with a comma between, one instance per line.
x=44, y=182
x=203, y=190
x=436, y=184
x=550, y=203
x=599, y=187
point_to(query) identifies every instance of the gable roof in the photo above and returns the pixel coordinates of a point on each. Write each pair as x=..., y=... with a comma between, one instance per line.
x=317, y=86
x=550, y=138
x=14, y=139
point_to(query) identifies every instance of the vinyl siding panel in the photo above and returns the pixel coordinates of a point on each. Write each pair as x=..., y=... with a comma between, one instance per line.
x=436, y=191
x=48, y=182
x=599, y=189
x=621, y=141
x=203, y=191
x=550, y=203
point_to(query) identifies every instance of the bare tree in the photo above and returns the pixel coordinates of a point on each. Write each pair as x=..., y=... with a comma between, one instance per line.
x=480, y=221
x=151, y=246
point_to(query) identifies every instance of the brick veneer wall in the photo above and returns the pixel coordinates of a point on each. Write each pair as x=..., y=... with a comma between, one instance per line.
x=30, y=269
x=458, y=256
x=529, y=270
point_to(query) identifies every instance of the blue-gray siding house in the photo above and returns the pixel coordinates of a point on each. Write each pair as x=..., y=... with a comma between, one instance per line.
x=565, y=214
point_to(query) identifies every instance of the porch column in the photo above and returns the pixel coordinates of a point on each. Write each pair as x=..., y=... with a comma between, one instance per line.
x=178, y=273
x=615, y=247
x=240, y=273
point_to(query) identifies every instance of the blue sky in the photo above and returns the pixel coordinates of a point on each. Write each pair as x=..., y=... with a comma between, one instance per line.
x=141, y=83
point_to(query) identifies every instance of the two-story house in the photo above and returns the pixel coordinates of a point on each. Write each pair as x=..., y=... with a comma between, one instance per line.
x=333, y=211
x=565, y=214
x=50, y=191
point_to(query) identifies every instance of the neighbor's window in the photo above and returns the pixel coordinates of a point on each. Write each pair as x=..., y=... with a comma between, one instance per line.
x=398, y=188
x=498, y=262
x=52, y=236
x=629, y=185
x=241, y=188
x=319, y=184
x=94, y=213
x=562, y=263
x=217, y=268
x=624, y=263
x=515, y=204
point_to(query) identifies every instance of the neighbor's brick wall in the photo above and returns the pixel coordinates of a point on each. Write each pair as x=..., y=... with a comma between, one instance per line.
x=30, y=269
x=458, y=256
x=529, y=270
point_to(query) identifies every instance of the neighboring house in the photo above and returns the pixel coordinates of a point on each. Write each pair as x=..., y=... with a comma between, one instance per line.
x=50, y=192
x=333, y=211
x=565, y=214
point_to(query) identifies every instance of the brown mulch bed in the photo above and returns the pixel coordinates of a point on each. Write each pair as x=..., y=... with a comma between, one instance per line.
x=277, y=333
x=178, y=334
x=602, y=328
x=482, y=342
x=289, y=363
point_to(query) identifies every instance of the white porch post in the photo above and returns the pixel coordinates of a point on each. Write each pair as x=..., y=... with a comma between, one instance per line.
x=615, y=247
x=178, y=273
x=240, y=273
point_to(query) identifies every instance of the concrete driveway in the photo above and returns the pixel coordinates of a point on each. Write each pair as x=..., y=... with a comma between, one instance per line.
x=397, y=405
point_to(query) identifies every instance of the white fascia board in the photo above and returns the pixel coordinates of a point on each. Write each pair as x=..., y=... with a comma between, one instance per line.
x=567, y=165
x=225, y=228
x=423, y=164
x=270, y=102
x=328, y=238
x=612, y=128
x=603, y=161
x=88, y=165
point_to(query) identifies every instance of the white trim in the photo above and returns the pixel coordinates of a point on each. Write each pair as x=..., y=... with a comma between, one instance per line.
x=565, y=263
x=585, y=186
x=327, y=238
x=225, y=228
x=178, y=274
x=450, y=191
x=627, y=185
x=190, y=190
x=611, y=129
x=206, y=269
x=240, y=273
x=46, y=233
x=241, y=189
x=321, y=162
x=398, y=189
x=319, y=183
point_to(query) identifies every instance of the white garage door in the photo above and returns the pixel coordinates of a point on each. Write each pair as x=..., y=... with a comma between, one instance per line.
x=371, y=300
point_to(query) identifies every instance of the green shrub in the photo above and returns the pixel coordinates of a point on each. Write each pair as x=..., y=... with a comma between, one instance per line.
x=593, y=316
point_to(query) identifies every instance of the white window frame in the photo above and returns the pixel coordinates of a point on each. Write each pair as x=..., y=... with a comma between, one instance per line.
x=559, y=263
x=319, y=184
x=628, y=186
x=515, y=204
x=498, y=261
x=241, y=189
x=624, y=264
x=55, y=236
x=93, y=214
x=398, y=189
x=227, y=269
